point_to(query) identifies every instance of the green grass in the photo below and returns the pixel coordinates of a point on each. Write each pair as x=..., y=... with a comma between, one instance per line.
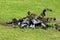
x=17, y=9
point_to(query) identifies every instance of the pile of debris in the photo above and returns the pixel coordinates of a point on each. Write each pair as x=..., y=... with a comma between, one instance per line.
x=33, y=21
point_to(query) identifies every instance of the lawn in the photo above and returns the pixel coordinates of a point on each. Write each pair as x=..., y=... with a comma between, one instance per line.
x=17, y=9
